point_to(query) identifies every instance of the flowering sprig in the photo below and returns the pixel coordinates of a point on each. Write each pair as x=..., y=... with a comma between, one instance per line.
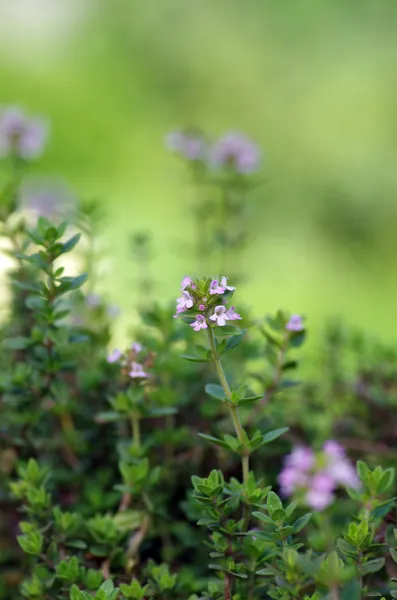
x=207, y=299
x=128, y=362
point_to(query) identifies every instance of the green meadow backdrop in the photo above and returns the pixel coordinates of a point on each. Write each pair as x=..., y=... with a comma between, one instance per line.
x=314, y=83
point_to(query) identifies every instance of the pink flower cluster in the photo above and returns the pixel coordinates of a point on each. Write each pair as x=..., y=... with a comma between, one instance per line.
x=206, y=299
x=128, y=361
x=315, y=477
x=21, y=135
x=233, y=150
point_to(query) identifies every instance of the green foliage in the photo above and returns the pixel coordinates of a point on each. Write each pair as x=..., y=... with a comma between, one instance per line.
x=110, y=491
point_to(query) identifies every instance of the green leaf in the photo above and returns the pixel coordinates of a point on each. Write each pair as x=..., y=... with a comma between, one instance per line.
x=195, y=358
x=16, y=343
x=381, y=511
x=213, y=439
x=386, y=481
x=351, y=591
x=362, y=470
x=227, y=330
x=273, y=502
x=372, y=566
x=71, y=243
x=262, y=517
x=273, y=435
x=393, y=553
x=301, y=522
x=216, y=391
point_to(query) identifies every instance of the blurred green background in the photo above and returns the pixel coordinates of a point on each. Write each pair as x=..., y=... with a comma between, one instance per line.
x=313, y=82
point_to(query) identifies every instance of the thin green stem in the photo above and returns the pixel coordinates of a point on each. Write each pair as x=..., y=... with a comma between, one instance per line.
x=232, y=407
x=136, y=430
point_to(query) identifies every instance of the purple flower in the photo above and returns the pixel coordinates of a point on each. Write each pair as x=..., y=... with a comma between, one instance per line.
x=188, y=144
x=48, y=198
x=225, y=286
x=232, y=315
x=114, y=356
x=290, y=479
x=301, y=458
x=136, y=347
x=137, y=371
x=202, y=307
x=199, y=323
x=236, y=151
x=295, y=324
x=215, y=288
x=220, y=315
x=186, y=282
x=20, y=135
x=333, y=449
x=184, y=302
x=318, y=499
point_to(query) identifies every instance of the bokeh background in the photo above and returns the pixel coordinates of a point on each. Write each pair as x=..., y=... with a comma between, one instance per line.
x=313, y=83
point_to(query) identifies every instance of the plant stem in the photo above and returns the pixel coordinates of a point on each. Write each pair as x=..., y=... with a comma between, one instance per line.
x=135, y=430
x=232, y=407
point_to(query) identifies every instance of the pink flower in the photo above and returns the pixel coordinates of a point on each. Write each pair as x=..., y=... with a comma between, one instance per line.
x=232, y=315
x=319, y=499
x=184, y=302
x=186, y=281
x=201, y=307
x=215, y=288
x=236, y=151
x=199, y=323
x=295, y=324
x=301, y=458
x=136, y=347
x=137, y=371
x=220, y=315
x=188, y=144
x=290, y=479
x=114, y=356
x=225, y=286
x=333, y=449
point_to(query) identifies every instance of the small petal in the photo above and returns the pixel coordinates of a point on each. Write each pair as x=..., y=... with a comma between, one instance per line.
x=232, y=315
x=137, y=371
x=114, y=356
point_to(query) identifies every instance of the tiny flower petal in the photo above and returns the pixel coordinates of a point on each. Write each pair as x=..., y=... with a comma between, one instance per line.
x=137, y=371
x=215, y=288
x=186, y=281
x=136, y=347
x=114, y=356
x=184, y=302
x=225, y=286
x=232, y=315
